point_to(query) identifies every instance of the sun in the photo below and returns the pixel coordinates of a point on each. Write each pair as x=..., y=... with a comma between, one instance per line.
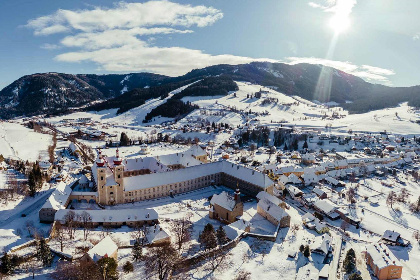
x=339, y=23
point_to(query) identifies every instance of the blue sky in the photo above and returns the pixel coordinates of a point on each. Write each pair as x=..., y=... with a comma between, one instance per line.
x=378, y=40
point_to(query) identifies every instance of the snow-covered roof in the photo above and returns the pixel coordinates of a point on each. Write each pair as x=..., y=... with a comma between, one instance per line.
x=322, y=244
x=307, y=272
x=391, y=235
x=325, y=206
x=83, y=179
x=265, y=195
x=184, y=159
x=293, y=190
x=318, y=191
x=140, y=163
x=308, y=217
x=224, y=200
x=272, y=209
x=114, y=215
x=73, y=148
x=57, y=200
x=155, y=234
x=294, y=179
x=310, y=178
x=308, y=156
x=236, y=228
x=189, y=173
x=381, y=255
x=106, y=247
x=44, y=164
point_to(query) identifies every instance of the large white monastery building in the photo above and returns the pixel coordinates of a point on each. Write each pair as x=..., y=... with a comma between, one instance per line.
x=122, y=181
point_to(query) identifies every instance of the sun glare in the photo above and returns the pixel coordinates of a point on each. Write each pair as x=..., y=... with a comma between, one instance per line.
x=339, y=23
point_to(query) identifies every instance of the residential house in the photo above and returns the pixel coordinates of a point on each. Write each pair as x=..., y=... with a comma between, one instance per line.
x=273, y=213
x=383, y=262
x=105, y=248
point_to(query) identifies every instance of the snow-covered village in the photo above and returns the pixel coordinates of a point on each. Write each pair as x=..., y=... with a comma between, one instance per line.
x=236, y=188
x=209, y=140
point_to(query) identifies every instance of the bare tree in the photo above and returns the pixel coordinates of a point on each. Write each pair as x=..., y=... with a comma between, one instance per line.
x=351, y=192
x=416, y=235
x=79, y=270
x=30, y=227
x=31, y=266
x=404, y=194
x=86, y=223
x=161, y=260
x=218, y=259
x=391, y=199
x=181, y=229
x=140, y=232
x=243, y=275
x=70, y=220
x=294, y=228
x=60, y=234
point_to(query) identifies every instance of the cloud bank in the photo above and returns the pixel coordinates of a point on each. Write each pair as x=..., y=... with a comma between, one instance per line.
x=366, y=72
x=120, y=39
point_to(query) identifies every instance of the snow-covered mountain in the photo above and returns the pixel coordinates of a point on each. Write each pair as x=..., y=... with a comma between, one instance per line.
x=54, y=92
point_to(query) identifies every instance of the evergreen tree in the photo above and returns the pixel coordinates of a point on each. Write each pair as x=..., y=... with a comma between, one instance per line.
x=124, y=140
x=305, y=145
x=307, y=251
x=44, y=253
x=295, y=145
x=128, y=267
x=285, y=147
x=7, y=264
x=350, y=261
x=355, y=276
x=208, y=237
x=137, y=251
x=221, y=235
x=32, y=184
x=302, y=248
x=108, y=267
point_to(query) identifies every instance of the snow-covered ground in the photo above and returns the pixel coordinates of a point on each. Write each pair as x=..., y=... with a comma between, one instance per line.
x=19, y=142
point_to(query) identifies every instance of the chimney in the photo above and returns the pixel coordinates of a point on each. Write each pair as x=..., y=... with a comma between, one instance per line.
x=237, y=196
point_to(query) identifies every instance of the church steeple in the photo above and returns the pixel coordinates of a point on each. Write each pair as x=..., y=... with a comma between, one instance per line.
x=100, y=161
x=117, y=160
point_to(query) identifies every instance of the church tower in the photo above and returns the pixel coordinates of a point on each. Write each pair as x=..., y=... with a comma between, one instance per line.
x=119, y=177
x=101, y=178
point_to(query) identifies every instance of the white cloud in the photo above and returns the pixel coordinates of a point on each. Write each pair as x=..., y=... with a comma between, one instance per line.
x=114, y=37
x=416, y=37
x=126, y=16
x=171, y=61
x=50, y=47
x=366, y=72
x=335, y=6
x=121, y=38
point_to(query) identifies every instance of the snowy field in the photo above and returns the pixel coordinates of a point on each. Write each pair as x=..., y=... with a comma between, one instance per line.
x=19, y=142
